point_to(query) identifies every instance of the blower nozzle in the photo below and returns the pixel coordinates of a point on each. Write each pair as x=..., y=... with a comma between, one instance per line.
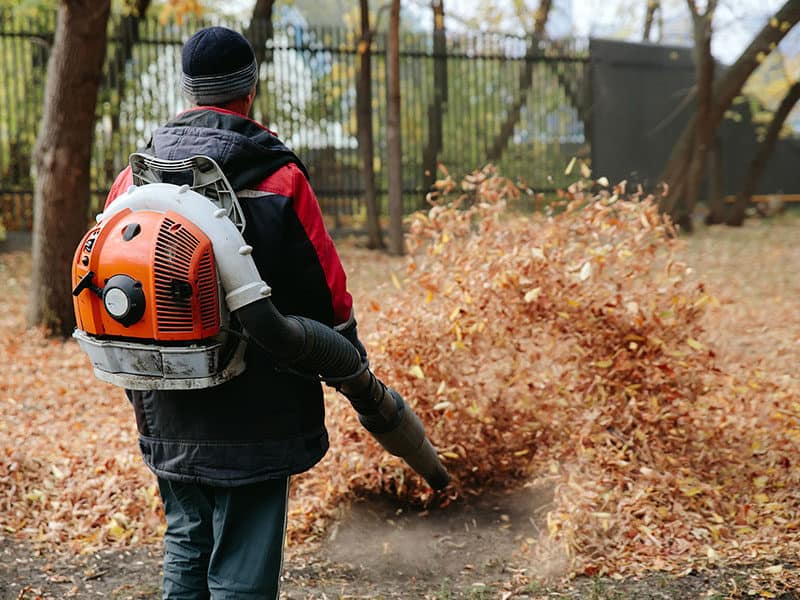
x=396, y=427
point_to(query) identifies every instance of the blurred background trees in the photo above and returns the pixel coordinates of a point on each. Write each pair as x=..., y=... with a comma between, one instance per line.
x=686, y=168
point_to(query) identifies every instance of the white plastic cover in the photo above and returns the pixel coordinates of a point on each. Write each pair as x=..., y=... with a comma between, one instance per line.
x=238, y=273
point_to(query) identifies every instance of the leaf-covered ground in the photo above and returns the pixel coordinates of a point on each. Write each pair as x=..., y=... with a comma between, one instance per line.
x=579, y=351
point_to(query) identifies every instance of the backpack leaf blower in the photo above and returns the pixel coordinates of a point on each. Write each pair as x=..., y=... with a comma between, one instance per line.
x=167, y=296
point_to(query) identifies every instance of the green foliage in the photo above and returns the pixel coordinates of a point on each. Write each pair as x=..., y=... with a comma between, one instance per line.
x=445, y=591
x=28, y=8
x=22, y=69
x=601, y=591
x=38, y=8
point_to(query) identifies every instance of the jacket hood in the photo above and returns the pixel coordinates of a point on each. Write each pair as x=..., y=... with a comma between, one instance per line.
x=246, y=151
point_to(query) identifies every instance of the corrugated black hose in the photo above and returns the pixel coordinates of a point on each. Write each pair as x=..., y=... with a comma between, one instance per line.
x=309, y=346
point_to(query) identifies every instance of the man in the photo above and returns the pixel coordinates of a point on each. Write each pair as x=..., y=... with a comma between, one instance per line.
x=224, y=455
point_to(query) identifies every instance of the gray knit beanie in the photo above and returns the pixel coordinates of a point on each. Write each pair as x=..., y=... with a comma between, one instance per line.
x=218, y=65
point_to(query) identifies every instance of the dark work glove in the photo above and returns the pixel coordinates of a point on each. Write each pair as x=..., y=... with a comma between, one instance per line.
x=349, y=330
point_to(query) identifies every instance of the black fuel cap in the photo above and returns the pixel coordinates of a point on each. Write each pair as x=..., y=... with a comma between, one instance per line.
x=124, y=300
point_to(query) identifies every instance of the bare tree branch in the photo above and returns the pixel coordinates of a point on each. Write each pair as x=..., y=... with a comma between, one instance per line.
x=653, y=6
x=759, y=162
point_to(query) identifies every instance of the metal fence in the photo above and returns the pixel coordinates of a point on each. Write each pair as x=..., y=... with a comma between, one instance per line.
x=517, y=100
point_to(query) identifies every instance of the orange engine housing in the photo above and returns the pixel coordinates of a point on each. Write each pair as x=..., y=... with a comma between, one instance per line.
x=170, y=259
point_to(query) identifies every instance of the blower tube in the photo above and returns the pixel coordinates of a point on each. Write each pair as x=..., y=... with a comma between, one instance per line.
x=310, y=346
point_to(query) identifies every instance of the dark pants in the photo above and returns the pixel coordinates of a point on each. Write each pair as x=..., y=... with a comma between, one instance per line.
x=223, y=543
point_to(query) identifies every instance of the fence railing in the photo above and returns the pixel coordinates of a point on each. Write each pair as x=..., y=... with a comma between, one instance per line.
x=517, y=101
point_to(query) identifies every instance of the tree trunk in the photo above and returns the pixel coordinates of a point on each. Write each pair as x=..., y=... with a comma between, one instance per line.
x=724, y=90
x=704, y=130
x=759, y=162
x=649, y=18
x=126, y=37
x=366, y=144
x=525, y=81
x=430, y=154
x=673, y=175
x=393, y=141
x=260, y=30
x=716, y=200
x=62, y=156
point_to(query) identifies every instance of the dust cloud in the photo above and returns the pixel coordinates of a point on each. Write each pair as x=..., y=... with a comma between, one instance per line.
x=487, y=536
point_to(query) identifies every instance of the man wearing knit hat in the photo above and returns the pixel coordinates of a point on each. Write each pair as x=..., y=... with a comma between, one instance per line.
x=223, y=455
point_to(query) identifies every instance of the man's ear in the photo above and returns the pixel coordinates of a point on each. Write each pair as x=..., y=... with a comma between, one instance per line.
x=251, y=97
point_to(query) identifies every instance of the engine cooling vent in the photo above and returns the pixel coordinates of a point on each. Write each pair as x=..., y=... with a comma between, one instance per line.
x=207, y=291
x=173, y=259
x=174, y=278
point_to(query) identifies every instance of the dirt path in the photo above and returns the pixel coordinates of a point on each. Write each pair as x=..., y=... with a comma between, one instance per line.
x=474, y=552
x=376, y=551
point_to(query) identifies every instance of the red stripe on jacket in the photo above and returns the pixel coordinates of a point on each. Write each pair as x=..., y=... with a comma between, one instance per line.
x=121, y=184
x=289, y=181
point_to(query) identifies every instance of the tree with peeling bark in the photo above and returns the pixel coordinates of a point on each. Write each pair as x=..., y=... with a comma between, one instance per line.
x=393, y=141
x=366, y=144
x=737, y=214
x=688, y=154
x=62, y=155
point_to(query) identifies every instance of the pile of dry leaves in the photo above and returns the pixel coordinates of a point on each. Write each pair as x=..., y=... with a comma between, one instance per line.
x=565, y=346
x=570, y=347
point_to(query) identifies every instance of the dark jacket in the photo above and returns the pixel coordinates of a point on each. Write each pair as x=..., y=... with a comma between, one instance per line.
x=264, y=423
